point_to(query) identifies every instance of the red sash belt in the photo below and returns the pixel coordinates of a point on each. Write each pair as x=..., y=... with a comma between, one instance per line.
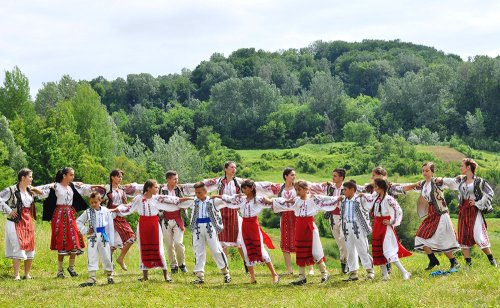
x=174, y=216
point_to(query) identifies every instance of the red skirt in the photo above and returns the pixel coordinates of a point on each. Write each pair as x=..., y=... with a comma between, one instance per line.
x=304, y=227
x=230, y=222
x=378, y=236
x=430, y=224
x=65, y=234
x=251, y=237
x=467, y=214
x=25, y=230
x=287, y=226
x=149, y=228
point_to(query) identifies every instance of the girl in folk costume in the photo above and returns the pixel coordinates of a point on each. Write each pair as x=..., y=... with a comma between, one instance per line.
x=150, y=238
x=101, y=233
x=172, y=226
x=18, y=203
x=63, y=200
x=254, y=237
x=436, y=233
x=387, y=214
x=475, y=196
x=124, y=236
x=308, y=246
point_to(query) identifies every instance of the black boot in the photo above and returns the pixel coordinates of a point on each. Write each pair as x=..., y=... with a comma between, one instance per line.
x=454, y=263
x=433, y=261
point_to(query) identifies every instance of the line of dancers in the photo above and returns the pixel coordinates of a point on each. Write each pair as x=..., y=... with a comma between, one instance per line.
x=229, y=218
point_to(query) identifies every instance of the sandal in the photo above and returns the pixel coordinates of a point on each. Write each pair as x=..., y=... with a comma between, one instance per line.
x=72, y=272
x=60, y=274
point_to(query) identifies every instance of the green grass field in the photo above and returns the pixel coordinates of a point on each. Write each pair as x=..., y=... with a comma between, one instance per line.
x=470, y=287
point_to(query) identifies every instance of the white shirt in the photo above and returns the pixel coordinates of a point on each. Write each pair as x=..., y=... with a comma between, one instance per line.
x=248, y=208
x=5, y=195
x=307, y=208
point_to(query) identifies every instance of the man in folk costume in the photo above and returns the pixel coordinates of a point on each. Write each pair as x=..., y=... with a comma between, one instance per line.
x=17, y=202
x=100, y=232
x=205, y=225
x=355, y=222
x=173, y=226
x=334, y=217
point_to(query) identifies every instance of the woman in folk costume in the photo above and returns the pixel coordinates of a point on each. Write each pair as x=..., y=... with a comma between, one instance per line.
x=309, y=250
x=436, y=233
x=63, y=200
x=254, y=237
x=18, y=203
x=475, y=196
x=115, y=196
x=150, y=237
x=387, y=213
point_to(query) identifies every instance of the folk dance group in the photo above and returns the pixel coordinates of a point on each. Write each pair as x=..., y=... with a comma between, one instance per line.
x=230, y=219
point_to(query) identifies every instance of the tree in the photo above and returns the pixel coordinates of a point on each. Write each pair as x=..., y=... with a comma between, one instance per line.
x=142, y=89
x=475, y=123
x=47, y=97
x=15, y=157
x=15, y=93
x=208, y=74
x=359, y=132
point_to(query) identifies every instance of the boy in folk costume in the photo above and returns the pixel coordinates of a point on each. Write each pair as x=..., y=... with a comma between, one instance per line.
x=97, y=223
x=205, y=225
x=387, y=214
x=355, y=222
x=308, y=246
x=172, y=226
x=150, y=237
x=254, y=237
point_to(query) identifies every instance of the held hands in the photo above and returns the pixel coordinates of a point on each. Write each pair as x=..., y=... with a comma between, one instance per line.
x=387, y=222
x=13, y=214
x=185, y=199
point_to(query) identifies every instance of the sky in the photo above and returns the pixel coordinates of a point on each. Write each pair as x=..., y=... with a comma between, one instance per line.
x=47, y=39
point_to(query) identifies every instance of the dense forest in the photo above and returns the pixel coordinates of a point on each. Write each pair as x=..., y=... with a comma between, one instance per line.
x=370, y=92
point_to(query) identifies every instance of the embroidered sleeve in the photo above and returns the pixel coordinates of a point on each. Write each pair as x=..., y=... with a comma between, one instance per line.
x=232, y=202
x=279, y=205
x=83, y=189
x=267, y=189
x=45, y=189
x=367, y=201
x=317, y=188
x=134, y=206
x=166, y=203
x=451, y=183
x=396, y=212
x=81, y=221
x=133, y=189
x=487, y=198
x=326, y=203
x=4, y=197
x=397, y=189
x=261, y=202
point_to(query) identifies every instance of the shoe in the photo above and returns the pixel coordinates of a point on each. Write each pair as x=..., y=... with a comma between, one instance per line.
x=455, y=265
x=311, y=272
x=169, y=279
x=344, y=268
x=88, y=283
x=253, y=282
x=299, y=282
x=386, y=278
x=198, y=280
x=142, y=279
x=389, y=268
x=227, y=278
x=183, y=268
x=494, y=262
x=17, y=278
x=276, y=279
x=325, y=278
x=406, y=275
x=174, y=270
x=370, y=276
x=72, y=272
x=352, y=277
x=111, y=280
x=468, y=263
x=431, y=265
x=60, y=274
x=28, y=277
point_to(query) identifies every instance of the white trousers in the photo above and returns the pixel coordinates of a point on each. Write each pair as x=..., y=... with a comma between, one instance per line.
x=357, y=246
x=174, y=238
x=338, y=235
x=202, y=237
x=317, y=248
x=99, y=250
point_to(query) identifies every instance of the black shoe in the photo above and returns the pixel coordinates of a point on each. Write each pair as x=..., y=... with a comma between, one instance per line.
x=299, y=282
x=174, y=270
x=455, y=265
x=432, y=265
x=72, y=272
x=468, y=263
x=345, y=270
x=227, y=278
x=60, y=274
x=183, y=268
x=494, y=262
x=111, y=280
x=325, y=278
x=87, y=284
